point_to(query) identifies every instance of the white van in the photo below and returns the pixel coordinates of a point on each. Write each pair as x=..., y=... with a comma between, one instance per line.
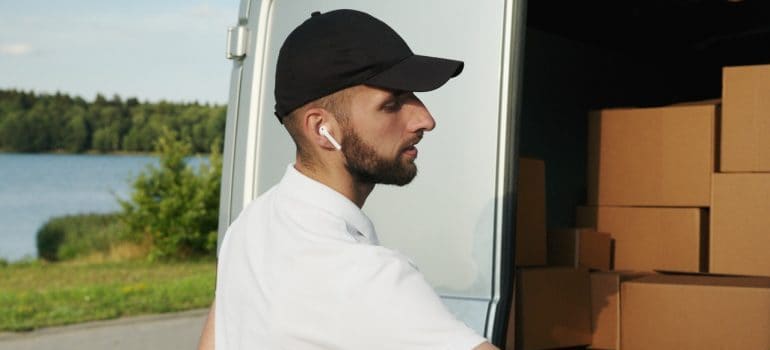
x=456, y=219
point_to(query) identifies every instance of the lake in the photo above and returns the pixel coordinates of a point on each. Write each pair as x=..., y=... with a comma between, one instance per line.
x=36, y=187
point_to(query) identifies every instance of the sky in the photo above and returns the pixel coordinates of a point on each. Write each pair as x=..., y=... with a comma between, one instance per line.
x=171, y=50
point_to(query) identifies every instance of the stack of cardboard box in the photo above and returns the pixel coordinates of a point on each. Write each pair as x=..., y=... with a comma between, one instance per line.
x=649, y=180
x=552, y=302
x=649, y=187
x=740, y=207
x=655, y=175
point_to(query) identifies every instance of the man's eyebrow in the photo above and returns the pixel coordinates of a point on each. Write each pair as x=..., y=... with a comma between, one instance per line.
x=394, y=92
x=395, y=96
x=400, y=93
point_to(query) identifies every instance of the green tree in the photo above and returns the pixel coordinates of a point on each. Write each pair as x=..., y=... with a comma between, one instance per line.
x=13, y=133
x=174, y=207
x=76, y=132
x=38, y=128
x=106, y=139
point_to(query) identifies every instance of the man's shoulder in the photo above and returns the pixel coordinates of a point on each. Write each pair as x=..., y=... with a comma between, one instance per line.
x=259, y=204
x=278, y=212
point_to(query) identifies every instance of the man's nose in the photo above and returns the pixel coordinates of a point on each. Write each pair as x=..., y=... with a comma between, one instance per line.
x=422, y=120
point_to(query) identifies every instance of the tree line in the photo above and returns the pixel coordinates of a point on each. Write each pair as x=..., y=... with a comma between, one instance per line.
x=58, y=122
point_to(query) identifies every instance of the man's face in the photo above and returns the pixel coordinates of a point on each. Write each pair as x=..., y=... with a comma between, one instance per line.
x=380, y=134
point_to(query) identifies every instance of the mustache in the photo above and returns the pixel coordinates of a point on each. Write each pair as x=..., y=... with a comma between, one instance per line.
x=412, y=141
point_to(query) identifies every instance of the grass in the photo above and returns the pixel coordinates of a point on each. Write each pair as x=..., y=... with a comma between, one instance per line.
x=73, y=236
x=37, y=294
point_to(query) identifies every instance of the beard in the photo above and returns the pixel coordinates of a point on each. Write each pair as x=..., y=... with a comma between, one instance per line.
x=363, y=162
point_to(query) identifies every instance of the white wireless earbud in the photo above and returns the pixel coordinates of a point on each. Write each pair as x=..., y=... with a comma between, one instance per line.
x=329, y=137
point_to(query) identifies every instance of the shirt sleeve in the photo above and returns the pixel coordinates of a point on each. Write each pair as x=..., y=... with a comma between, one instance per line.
x=399, y=309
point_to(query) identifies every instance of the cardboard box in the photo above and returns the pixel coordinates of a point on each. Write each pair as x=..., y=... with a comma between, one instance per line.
x=651, y=156
x=605, y=307
x=552, y=308
x=580, y=247
x=745, y=131
x=695, y=312
x=530, y=214
x=647, y=239
x=740, y=224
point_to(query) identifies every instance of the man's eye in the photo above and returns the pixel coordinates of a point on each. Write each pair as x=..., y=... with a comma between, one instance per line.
x=392, y=106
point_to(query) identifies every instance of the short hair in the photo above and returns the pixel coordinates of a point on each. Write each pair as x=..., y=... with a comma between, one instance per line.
x=337, y=104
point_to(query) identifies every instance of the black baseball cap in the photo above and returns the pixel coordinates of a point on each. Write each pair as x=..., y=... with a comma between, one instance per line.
x=343, y=48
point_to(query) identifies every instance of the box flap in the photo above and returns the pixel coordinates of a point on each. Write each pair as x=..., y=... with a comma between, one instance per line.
x=705, y=280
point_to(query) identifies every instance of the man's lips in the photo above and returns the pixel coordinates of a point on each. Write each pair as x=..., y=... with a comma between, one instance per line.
x=411, y=151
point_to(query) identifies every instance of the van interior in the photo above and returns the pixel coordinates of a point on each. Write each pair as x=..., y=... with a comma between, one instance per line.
x=587, y=55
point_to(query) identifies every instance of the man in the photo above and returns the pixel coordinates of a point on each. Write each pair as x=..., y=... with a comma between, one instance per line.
x=301, y=267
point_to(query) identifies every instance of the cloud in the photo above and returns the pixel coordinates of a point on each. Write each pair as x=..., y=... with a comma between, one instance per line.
x=205, y=11
x=15, y=49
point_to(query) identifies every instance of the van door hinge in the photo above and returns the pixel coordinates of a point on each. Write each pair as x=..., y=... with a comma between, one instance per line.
x=237, y=38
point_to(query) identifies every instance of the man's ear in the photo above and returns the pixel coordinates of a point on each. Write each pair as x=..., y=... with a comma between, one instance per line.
x=313, y=119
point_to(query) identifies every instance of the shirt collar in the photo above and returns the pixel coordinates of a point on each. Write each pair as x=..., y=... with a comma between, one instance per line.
x=324, y=197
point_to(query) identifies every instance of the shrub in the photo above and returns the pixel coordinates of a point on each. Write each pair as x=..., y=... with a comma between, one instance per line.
x=72, y=236
x=172, y=206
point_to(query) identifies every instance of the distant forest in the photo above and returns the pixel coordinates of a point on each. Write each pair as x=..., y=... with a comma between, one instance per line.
x=32, y=122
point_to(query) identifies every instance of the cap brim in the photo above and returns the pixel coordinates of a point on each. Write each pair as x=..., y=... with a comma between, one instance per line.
x=417, y=73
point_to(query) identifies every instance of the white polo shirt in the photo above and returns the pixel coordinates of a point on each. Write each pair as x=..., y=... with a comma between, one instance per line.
x=301, y=269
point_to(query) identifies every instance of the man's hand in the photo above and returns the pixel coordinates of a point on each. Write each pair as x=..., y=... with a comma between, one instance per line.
x=486, y=346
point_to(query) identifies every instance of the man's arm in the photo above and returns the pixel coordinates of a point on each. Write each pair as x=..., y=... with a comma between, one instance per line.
x=207, y=336
x=486, y=346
